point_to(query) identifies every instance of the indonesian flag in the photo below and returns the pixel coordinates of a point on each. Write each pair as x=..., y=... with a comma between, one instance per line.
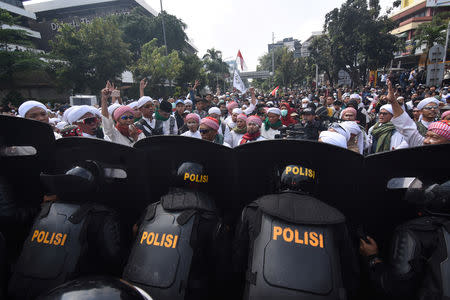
x=240, y=61
x=275, y=90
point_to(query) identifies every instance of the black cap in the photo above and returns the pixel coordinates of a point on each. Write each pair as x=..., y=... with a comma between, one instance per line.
x=308, y=111
x=192, y=175
x=165, y=106
x=337, y=102
x=298, y=178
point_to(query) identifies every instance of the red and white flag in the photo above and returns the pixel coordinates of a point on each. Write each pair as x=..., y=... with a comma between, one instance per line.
x=275, y=91
x=240, y=63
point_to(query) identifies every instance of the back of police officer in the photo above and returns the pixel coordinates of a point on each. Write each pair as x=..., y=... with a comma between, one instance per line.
x=69, y=238
x=294, y=246
x=418, y=266
x=173, y=255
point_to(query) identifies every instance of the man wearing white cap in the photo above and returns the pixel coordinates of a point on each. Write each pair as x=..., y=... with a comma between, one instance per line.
x=86, y=118
x=429, y=108
x=224, y=130
x=137, y=113
x=231, y=120
x=383, y=136
x=147, y=122
x=37, y=111
x=272, y=124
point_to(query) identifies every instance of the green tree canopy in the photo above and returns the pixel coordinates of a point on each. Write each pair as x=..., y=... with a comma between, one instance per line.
x=216, y=69
x=90, y=56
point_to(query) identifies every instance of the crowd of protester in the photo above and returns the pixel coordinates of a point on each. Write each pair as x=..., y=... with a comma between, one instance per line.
x=367, y=120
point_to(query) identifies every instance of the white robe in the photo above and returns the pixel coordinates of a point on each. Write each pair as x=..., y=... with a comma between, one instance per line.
x=235, y=138
x=115, y=136
x=269, y=134
x=408, y=128
x=191, y=134
x=397, y=140
x=260, y=138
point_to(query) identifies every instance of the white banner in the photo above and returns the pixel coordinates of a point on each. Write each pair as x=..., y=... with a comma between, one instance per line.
x=237, y=82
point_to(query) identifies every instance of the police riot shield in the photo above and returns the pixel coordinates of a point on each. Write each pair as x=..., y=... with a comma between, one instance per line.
x=427, y=163
x=26, y=146
x=123, y=178
x=338, y=171
x=166, y=153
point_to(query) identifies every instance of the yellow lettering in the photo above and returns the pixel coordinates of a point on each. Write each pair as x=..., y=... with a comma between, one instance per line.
x=156, y=240
x=297, y=240
x=313, y=241
x=314, y=174
x=151, y=234
x=192, y=178
x=168, y=242
x=285, y=235
x=288, y=169
x=144, y=236
x=295, y=170
x=51, y=240
x=162, y=240
x=310, y=173
x=276, y=232
x=301, y=171
x=35, y=234
x=58, y=237
x=305, y=237
x=45, y=239
x=41, y=236
x=186, y=176
x=321, y=240
x=64, y=239
x=175, y=241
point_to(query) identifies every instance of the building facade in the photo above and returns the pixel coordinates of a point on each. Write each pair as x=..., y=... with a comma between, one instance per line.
x=305, y=46
x=290, y=43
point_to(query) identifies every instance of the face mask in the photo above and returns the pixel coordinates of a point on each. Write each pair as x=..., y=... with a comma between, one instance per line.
x=173, y=105
x=304, y=105
x=284, y=112
x=316, y=104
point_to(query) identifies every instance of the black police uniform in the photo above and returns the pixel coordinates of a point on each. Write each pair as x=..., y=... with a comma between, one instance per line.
x=67, y=240
x=292, y=246
x=419, y=261
x=174, y=254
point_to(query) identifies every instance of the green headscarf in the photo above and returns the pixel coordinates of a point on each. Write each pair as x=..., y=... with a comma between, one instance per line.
x=159, y=117
x=275, y=126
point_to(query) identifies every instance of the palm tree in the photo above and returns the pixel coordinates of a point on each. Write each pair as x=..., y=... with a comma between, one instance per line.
x=215, y=67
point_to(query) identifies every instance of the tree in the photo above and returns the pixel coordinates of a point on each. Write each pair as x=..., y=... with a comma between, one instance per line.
x=159, y=68
x=139, y=28
x=216, y=69
x=192, y=70
x=320, y=53
x=433, y=32
x=91, y=55
x=359, y=37
x=16, y=53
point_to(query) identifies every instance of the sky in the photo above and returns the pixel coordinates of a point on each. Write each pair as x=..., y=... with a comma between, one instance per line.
x=230, y=25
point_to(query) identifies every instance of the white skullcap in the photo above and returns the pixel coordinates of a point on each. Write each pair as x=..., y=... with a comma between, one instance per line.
x=355, y=96
x=333, y=138
x=112, y=108
x=353, y=128
x=214, y=110
x=274, y=110
x=80, y=111
x=306, y=99
x=143, y=100
x=133, y=105
x=400, y=98
x=26, y=106
x=188, y=102
x=427, y=101
x=269, y=103
x=388, y=108
x=67, y=112
x=237, y=110
x=61, y=125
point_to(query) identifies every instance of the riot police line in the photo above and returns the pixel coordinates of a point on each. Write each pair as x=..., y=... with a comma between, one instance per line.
x=182, y=218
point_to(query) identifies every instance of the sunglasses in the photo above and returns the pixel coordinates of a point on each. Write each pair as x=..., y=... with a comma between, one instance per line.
x=89, y=121
x=383, y=113
x=204, y=131
x=431, y=107
x=127, y=117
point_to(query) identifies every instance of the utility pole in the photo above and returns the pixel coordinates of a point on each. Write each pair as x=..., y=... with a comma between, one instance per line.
x=273, y=58
x=163, y=26
x=446, y=45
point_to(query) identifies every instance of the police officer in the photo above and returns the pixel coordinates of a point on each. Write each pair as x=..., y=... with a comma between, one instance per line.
x=418, y=266
x=312, y=127
x=174, y=256
x=291, y=245
x=70, y=237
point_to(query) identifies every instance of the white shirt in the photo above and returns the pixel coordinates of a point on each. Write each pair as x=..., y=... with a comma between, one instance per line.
x=115, y=136
x=227, y=135
x=89, y=135
x=191, y=134
x=408, y=128
x=269, y=134
x=425, y=123
x=165, y=125
x=235, y=138
x=260, y=138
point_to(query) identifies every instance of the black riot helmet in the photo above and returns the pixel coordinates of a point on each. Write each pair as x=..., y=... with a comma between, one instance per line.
x=79, y=181
x=192, y=175
x=96, y=288
x=298, y=178
x=435, y=199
